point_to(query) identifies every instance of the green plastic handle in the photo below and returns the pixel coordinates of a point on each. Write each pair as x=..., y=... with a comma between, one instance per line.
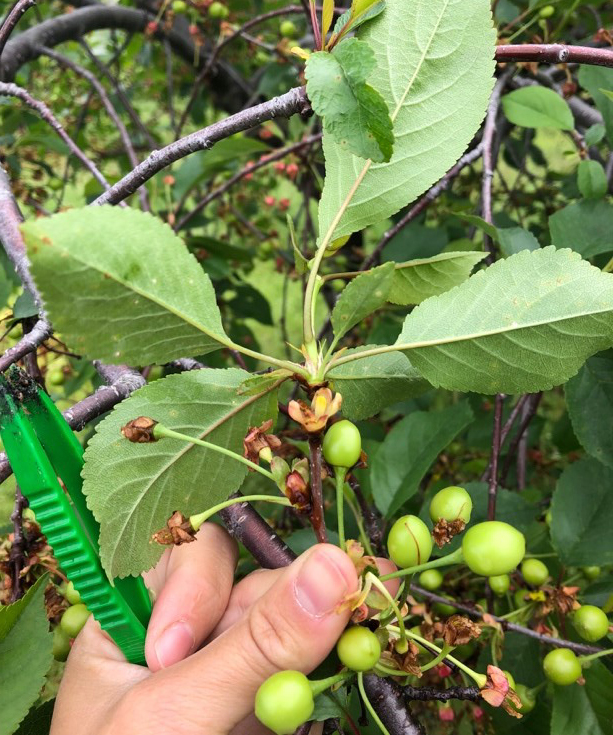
x=41, y=446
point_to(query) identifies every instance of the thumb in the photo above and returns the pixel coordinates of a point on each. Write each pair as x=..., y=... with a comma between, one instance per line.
x=293, y=626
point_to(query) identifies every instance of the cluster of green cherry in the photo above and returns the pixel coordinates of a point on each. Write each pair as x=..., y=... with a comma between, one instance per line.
x=491, y=549
x=72, y=621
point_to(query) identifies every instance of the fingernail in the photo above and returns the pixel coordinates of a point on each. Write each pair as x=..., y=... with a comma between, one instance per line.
x=320, y=585
x=175, y=644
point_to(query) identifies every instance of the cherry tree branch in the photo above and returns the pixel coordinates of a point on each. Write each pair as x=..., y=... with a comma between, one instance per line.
x=317, y=514
x=11, y=20
x=12, y=90
x=18, y=547
x=527, y=417
x=285, y=105
x=493, y=479
x=554, y=53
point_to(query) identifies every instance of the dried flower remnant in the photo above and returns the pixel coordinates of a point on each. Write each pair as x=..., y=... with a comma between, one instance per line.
x=178, y=531
x=140, y=430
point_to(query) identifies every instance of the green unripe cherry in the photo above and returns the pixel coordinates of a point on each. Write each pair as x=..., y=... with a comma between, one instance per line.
x=284, y=702
x=519, y=597
x=288, y=29
x=179, y=6
x=591, y=573
x=409, y=542
x=61, y=644
x=562, y=667
x=500, y=584
x=450, y=504
x=342, y=444
x=218, y=10
x=444, y=610
x=492, y=548
x=528, y=700
x=74, y=619
x=55, y=377
x=547, y=11
x=431, y=579
x=358, y=648
x=591, y=623
x=534, y=572
x=70, y=593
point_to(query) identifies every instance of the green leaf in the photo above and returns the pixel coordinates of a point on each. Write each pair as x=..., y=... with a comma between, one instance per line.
x=591, y=179
x=585, y=226
x=582, y=514
x=595, y=134
x=373, y=383
x=133, y=489
x=417, y=280
x=479, y=222
x=537, y=107
x=409, y=451
x=25, y=655
x=361, y=297
x=129, y=290
x=436, y=83
x=523, y=325
x=515, y=239
x=361, y=15
x=326, y=17
x=589, y=396
x=595, y=79
x=585, y=709
x=354, y=113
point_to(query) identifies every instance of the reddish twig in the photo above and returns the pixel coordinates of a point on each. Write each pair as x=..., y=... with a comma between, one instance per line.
x=11, y=20
x=12, y=90
x=18, y=546
x=245, y=171
x=286, y=105
x=317, y=514
x=508, y=425
x=554, y=53
x=493, y=479
x=532, y=406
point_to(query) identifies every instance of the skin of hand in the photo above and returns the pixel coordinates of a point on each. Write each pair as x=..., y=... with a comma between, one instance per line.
x=210, y=643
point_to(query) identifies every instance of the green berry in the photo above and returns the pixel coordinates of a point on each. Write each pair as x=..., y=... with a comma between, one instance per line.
x=431, y=579
x=562, y=667
x=444, y=610
x=591, y=573
x=409, y=542
x=534, y=572
x=342, y=444
x=591, y=623
x=358, y=648
x=528, y=700
x=55, y=377
x=218, y=10
x=519, y=597
x=451, y=504
x=510, y=678
x=61, y=644
x=70, y=593
x=288, y=29
x=547, y=11
x=74, y=619
x=284, y=702
x=500, y=584
x=492, y=548
x=179, y=6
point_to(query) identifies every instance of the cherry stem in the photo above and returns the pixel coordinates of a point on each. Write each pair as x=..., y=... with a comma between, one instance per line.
x=454, y=558
x=402, y=646
x=319, y=686
x=161, y=431
x=445, y=650
x=369, y=706
x=339, y=475
x=200, y=518
x=594, y=656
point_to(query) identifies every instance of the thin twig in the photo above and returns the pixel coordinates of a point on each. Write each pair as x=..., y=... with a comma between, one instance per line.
x=317, y=514
x=555, y=53
x=547, y=639
x=288, y=104
x=535, y=399
x=428, y=694
x=495, y=455
x=12, y=90
x=245, y=171
x=372, y=520
x=508, y=425
x=112, y=113
x=11, y=20
x=18, y=547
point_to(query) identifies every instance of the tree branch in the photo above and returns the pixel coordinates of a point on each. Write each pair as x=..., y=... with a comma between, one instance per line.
x=387, y=699
x=554, y=53
x=286, y=105
x=493, y=479
x=18, y=547
x=427, y=694
x=317, y=514
x=12, y=90
x=527, y=417
x=11, y=20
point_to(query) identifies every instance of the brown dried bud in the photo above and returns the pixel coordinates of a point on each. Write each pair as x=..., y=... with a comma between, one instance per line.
x=257, y=440
x=298, y=492
x=459, y=630
x=444, y=531
x=140, y=430
x=178, y=531
x=498, y=693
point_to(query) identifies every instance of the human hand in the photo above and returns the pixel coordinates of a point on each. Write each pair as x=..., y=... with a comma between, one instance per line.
x=209, y=645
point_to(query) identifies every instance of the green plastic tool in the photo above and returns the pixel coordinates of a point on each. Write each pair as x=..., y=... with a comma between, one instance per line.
x=41, y=448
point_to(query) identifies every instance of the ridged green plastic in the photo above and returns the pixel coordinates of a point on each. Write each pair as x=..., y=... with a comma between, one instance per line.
x=42, y=447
